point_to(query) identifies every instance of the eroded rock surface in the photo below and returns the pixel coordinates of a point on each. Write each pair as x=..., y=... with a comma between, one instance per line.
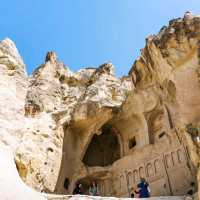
x=65, y=127
x=41, y=106
x=169, y=66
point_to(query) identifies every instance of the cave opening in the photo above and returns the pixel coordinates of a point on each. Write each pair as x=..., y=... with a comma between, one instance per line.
x=103, y=149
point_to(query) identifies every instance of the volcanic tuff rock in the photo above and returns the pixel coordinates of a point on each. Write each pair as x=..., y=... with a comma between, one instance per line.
x=37, y=113
x=34, y=109
x=169, y=67
x=12, y=187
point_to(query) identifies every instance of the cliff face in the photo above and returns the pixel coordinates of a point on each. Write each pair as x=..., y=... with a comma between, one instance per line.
x=49, y=118
x=169, y=68
x=170, y=63
x=35, y=110
x=13, y=83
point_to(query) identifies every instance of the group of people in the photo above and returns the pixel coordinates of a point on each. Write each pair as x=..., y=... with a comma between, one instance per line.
x=142, y=190
x=92, y=189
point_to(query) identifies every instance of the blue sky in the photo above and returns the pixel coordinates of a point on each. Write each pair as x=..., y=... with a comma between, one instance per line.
x=86, y=33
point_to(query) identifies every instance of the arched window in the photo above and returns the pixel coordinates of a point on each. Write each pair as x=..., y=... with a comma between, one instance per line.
x=141, y=172
x=135, y=176
x=169, y=161
x=149, y=169
x=130, y=179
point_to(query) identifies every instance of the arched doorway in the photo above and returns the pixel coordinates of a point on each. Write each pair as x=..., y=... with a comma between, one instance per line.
x=156, y=125
x=103, y=149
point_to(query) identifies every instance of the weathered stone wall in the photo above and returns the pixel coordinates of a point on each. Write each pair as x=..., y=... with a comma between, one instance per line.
x=54, y=115
x=151, y=124
x=159, y=163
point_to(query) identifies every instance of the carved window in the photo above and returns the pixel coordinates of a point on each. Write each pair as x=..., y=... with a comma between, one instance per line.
x=141, y=172
x=132, y=143
x=169, y=161
x=149, y=169
x=130, y=179
x=135, y=176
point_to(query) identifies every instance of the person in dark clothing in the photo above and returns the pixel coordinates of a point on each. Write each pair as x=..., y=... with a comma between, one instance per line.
x=143, y=187
x=78, y=189
x=191, y=191
x=134, y=193
x=93, y=190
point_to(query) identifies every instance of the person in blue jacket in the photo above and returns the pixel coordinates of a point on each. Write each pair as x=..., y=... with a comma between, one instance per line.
x=143, y=187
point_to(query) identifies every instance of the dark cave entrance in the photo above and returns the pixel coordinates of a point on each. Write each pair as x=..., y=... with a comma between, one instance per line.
x=103, y=149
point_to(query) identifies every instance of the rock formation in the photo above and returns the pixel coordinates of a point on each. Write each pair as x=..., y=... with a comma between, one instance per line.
x=169, y=66
x=65, y=127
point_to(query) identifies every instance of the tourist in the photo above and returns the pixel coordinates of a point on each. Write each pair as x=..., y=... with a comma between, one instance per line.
x=78, y=189
x=144, y=191
x=191, y=190
x=93, y=191
x=134, y=193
